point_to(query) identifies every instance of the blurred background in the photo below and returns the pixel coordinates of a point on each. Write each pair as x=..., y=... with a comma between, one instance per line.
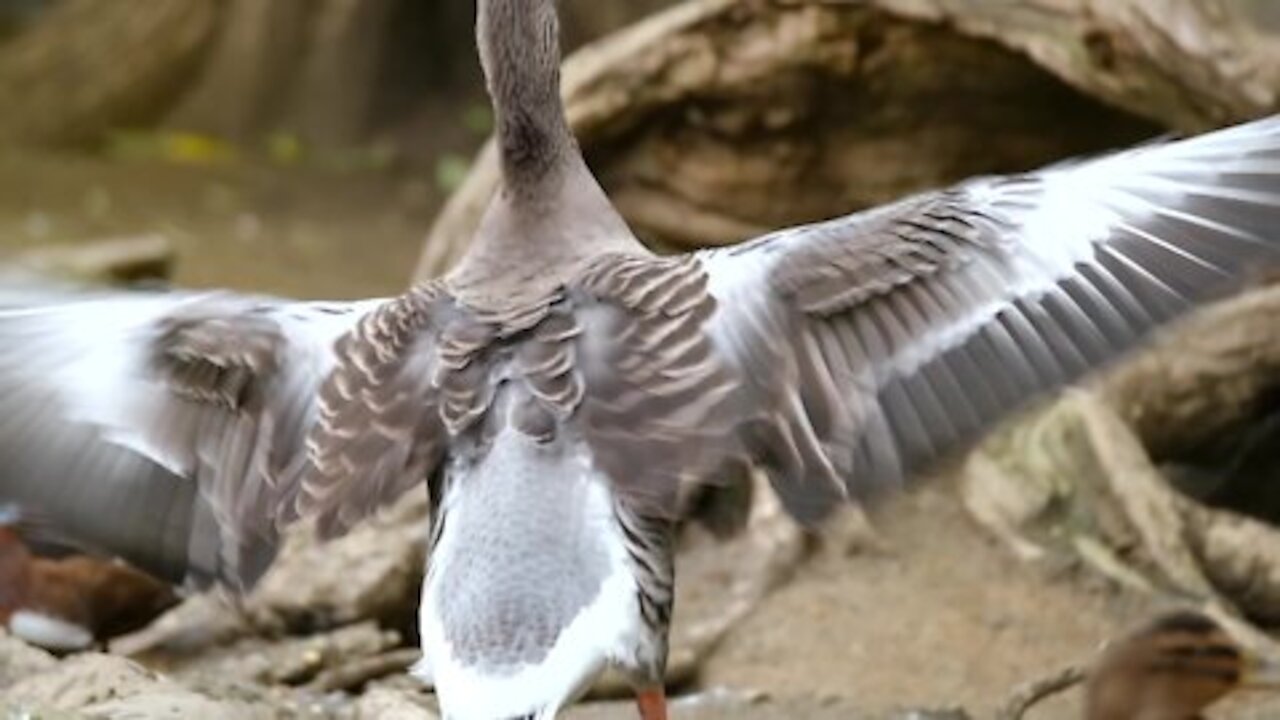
x=335, y=148
x=294, y=146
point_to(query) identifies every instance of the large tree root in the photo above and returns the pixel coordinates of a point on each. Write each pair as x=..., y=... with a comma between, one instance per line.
x=1079, y=477
x=720, y=119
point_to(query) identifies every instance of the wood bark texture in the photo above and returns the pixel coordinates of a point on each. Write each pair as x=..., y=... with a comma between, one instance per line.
x=244, y=81
x=1205, y=379
x=1083, y=475
x=309, y=66
x=340, y=77
x=90, y=65
x=241, y=69
x=721, y=119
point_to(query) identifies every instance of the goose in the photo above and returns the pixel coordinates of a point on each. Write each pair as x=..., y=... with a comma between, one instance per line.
x=557, y=390
x=1172, y=668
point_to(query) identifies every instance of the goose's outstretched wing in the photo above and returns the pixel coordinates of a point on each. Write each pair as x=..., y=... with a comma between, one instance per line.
x=872, y=344
x=171, y=429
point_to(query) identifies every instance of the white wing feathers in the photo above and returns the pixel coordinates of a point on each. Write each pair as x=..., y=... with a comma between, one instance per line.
x=875, y=343
x=166, y=428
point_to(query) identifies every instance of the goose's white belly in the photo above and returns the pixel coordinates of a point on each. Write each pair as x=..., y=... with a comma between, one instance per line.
x=529, y=591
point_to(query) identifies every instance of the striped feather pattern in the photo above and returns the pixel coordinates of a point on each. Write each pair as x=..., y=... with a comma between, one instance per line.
x=125, y=408
x=657, y=394
x=378, y=431
x=913, y=328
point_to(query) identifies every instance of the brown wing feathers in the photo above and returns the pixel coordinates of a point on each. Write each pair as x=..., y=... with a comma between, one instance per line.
x=896, y=246
x=841, y=357
x=911, y=329
x=378, y=429
x=212, y=358
x=657, y=402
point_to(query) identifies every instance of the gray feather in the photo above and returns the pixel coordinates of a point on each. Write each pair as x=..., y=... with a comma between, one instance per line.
x=159, y=428
x=939, y=315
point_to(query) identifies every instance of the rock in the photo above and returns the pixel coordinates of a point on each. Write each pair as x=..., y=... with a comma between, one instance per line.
x=374, y=572
x=111, y=261
x=723, y=704
x=355, y=673
x=19, y=660
x=931, y=714
x=178, y=705
x=722, y=581
x=289, y=661
x=393, y=704
x=86, y=680
x=200, y=622
x=106, y=686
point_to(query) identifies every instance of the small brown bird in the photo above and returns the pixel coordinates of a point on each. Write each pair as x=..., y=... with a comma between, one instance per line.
x=67, y=603
x=1172, y=669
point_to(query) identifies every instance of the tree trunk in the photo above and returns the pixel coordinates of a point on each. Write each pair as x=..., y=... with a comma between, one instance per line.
x=583, y=21
x=1203, y=379
x=721, y=119
x=332, y=71
x=305, y=66
x=339, y=82
x=90, y=65
x=246, y=77
x=1186, y=64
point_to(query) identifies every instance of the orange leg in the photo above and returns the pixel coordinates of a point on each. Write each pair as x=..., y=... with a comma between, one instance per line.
x=652, y=703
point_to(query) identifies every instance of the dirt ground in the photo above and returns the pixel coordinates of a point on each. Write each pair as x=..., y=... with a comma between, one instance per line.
x=943, y=618
x=289, y=231
x=946, y=619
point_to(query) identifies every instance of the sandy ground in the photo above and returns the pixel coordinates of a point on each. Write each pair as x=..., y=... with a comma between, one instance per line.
x=947, y=618
x=944, y=618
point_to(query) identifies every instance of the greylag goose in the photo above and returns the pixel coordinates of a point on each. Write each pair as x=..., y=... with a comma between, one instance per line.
x=555, y=391
x=1172, y=669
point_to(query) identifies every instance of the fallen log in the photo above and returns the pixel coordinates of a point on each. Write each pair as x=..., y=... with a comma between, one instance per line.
x=718, y=119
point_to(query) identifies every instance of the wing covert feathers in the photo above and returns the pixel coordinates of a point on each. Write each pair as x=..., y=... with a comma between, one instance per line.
x=841, y=357
x=880, y=342
x=378, y=430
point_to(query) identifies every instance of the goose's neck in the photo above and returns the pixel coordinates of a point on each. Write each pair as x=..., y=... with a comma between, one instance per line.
x=550, y=214
x=519, y=44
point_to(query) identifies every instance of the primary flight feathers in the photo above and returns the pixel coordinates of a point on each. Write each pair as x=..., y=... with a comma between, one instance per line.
x=178, y=429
